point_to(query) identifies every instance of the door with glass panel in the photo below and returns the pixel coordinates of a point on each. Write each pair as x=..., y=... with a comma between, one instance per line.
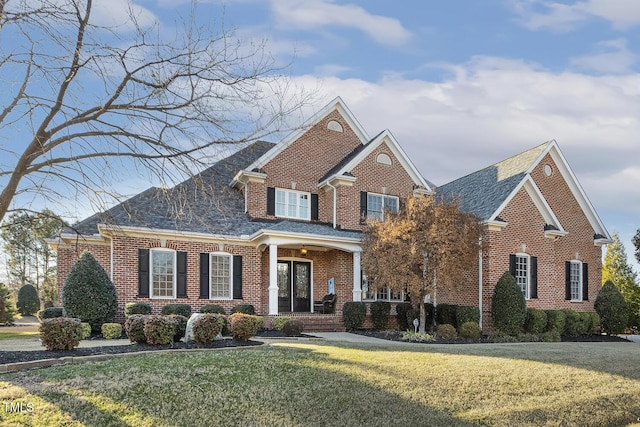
x=294, y=286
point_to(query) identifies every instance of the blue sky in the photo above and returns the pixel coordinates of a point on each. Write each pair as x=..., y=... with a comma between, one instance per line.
x=462, y=84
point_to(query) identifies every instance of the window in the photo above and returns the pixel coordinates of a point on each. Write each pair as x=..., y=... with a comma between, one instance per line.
x=369, y=292
x=378, y=204
x=522, y=274
x=221, y=282
x=163, y=273
x=293, y=204
x=575, y=280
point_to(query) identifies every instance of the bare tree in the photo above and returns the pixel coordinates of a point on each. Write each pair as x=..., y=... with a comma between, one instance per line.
x=428, y=242
x=83, y=100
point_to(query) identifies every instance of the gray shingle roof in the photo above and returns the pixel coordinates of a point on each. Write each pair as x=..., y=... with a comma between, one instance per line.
x=483, y=192
x=313, y=228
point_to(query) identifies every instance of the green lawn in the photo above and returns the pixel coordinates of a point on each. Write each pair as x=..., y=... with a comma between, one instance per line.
x=300, y=384
x=17, y=334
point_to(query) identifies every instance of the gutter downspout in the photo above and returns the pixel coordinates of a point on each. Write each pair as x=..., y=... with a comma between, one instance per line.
x=480, y=281
x=246, y=198
x=335, y=202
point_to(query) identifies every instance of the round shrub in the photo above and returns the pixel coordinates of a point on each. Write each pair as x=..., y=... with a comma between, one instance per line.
x=50, y=313
x=243, y=326
x=279, y=321
x=446, y=332
x=181, y=309
x=28, y=301
x=508, y=307
x=556, y=320
x=293, y=328
x=111, y=331
x=612, y=309
x=136, y=308
x=380, y=311
x=535, y=322
x=207, y=328
x=402, y=308
x=467, y=313
x=60, y=333
x=244, y=308
x=470, y=330
x=576, y=323
x=86, y=330
x=212, y=308
x=134, y=328
x=88, y=293
x=159, y=330
x=353, y=314
x=180, y=326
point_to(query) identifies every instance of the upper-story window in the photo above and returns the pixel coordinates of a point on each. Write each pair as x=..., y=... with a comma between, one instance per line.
x=379, y=204
x=293, y=204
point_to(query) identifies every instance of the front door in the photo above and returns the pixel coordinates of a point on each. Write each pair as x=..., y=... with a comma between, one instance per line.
x=294, y=286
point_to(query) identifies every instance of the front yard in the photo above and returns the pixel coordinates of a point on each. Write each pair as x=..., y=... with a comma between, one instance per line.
x=306, y=383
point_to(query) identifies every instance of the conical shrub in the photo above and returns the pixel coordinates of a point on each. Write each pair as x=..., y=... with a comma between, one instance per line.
x=612, y=309
x=508, y=307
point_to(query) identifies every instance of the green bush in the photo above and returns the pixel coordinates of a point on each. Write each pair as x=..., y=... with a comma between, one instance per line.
x=244, y=308
x=550, y=336
x=88, y=293
x=446, y=332
x=207, y=327
x=353, y=314
x=134, y=328
x=181, y=309
x=279, y=321
x=577, y=323
x=50, y=313
x=446, y=314
x=136, y=308
x=402, y=308
x=244, y=326
x=180, y=326
x=380, y=311
x=8, y=311
x=212, y=309
x=417, y=337
x=594, y=327
x=60, y=333
x=535, y=321
x=86, y=330
x=470, y=330
x=612, y=309
x=28, y=301
x=556, y=320
x=159, y=330
x=111, y=331
x=467, y=313
x=293, y=328
x=508, y=308
x=415, y=314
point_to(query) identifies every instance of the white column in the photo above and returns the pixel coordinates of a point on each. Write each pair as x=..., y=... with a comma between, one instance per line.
x=273, y=279
x=357, y=280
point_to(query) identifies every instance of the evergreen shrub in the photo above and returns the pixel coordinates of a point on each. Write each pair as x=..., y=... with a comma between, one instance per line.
x=508, y=308
x=446, y=332
x=244, y=308
x=207, y=327
x=181, y=309
x=60, y=333
x=402, y=308
x=293, y=328
x=136, y=308
x=380, y=311
x=535, y=321
x=612, y=309
x=470, y=330
x=244, y=326
x=212, y=309
x=159, y=330
x=111, y=331
x=134, y=328
x=279, y=321
x=50, y=313
x=353, y=314
x=28, y=301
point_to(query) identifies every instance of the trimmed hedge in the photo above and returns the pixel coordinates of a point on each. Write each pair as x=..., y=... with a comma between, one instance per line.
x=134, y=328
x=402, y=308
x=207, y=327
x=86, y=330
x=60, y=333
x=612, y=309
x=279, y=322
x=595, y=323
x=293, y=328
x=465, y=314
x=556, y=320
x=50, y=313
x=244, y=326
x=28, y=301
x=111, y=331
x=446, y=332
x=470, y=330
x=212, y=309
x=415, y=314
x=244, y=308
x=159, y=330
x=380, y=311
x=508, y=308
x=353, y=314
x=535, y=322
x=181, y=309
x=446, y=314
x=136, y=308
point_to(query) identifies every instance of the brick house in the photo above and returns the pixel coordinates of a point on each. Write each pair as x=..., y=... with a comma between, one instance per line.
x=278, y=226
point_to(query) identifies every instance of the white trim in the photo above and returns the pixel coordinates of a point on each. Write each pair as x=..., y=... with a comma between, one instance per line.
x=287, y=192
x=305, y=260
x=246, y=176
x=527, y=293
x=230, y=256
x=273, y=279
x=107, y=230
x=579, y=264
x=493, y=225
x=382, y=197
x=271, y=237
x=175, y=272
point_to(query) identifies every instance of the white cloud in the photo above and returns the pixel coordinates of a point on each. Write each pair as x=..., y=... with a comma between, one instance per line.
x=118, y=14
x=561, y=17
x=611, y=57
x=317, y=14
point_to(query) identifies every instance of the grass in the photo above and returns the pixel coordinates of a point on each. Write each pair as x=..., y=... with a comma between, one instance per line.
x=17, y=334
x=300, y=384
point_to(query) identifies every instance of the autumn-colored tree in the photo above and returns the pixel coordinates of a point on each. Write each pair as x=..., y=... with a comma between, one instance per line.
x=616, y=269
x=427, y=243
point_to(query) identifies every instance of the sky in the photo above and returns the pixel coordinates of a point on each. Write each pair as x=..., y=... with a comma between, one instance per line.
x=463, y=84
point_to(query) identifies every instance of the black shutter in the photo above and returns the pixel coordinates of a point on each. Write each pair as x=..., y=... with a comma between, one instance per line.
x=585, y=281
x=143, y=273
x=567, y=280
x=512, y=265
x=534, y=277
x=181, y=290
x=314, y=207
x=271, y=201
x=237, y=277
x=363, y=206
x=204, y=276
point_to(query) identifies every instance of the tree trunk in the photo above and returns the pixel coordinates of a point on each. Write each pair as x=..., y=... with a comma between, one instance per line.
x=423, y=318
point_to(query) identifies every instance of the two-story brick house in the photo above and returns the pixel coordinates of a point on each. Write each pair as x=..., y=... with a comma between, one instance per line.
x=279, y=225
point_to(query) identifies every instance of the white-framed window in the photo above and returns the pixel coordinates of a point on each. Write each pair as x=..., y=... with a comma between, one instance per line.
x=293, y=204
x=575, y=280
x=378, y=204
x=370, y=293
x=220, y=275
x=523, y=274
x=163, y=273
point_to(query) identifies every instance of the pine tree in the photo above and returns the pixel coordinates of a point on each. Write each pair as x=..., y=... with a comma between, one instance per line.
x=8, y=311
x=616, y=269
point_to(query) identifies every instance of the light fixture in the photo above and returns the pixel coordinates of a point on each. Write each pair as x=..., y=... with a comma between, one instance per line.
x=303, y=251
